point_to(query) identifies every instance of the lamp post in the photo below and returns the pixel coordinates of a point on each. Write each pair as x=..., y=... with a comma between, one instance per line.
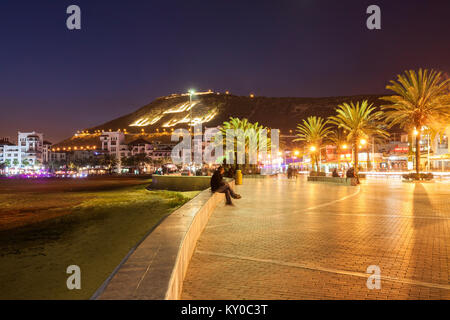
x=313, y=149
x=364, y=142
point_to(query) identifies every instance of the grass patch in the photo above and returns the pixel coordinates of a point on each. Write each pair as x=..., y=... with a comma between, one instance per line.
x=91, y=229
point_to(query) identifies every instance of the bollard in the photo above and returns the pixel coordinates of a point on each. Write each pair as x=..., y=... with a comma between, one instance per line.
x=238, y=177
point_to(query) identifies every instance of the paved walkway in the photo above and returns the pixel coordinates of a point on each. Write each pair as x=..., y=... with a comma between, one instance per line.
x=289, y=239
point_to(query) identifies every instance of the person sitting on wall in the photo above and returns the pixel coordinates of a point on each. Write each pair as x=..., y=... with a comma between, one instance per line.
x=218, y=185
x=335, y=173
x=351, y=174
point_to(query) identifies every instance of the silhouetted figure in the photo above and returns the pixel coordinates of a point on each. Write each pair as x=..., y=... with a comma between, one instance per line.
x=218, y=185
x=335, y=173
x=351, y=173
x=289, y=172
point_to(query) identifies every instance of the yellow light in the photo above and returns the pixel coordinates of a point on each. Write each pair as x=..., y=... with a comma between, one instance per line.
x=312, y=148
x=279, y=153
x=344, y=146
x=252, y=95
x=415, y=132
x=363, y=141
x=296, y=152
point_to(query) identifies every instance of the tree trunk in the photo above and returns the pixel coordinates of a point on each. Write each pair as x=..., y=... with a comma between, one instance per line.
x=418, y=153
x=355, y=151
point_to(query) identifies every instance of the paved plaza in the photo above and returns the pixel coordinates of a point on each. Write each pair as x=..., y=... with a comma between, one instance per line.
x=290, y=239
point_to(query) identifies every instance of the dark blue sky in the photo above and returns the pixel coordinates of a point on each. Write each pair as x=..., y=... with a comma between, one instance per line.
x=129, y=52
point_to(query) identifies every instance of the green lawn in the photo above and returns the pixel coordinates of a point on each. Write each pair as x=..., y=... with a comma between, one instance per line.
x=91, y=229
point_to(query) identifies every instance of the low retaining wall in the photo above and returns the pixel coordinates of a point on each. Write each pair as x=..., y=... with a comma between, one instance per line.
x=336, y=180
x=156, y=269
x=180, y=183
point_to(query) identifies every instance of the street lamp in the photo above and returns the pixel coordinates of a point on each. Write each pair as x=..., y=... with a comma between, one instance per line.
x=363, y=142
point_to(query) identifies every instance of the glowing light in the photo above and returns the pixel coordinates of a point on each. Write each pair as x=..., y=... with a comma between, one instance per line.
x=344, y=146
x=145, y=121
x=312, y=148
x=252, y=95
x=296, y=152
x=363, y=141
x=415, y=132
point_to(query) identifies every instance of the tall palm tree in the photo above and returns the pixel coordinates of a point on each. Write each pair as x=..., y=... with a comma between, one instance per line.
x=252, y=131
x=421, y=99
x=234, y=124
x=360, y=120
x=313, y=131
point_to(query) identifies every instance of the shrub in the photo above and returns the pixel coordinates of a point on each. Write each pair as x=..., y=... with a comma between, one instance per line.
x=418, y=177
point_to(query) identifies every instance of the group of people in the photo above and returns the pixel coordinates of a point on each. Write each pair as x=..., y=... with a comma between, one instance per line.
x=349, y=174
x=291, y=172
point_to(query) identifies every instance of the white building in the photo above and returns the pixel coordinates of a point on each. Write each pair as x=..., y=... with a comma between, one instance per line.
x=114, y=143
x=29, y=150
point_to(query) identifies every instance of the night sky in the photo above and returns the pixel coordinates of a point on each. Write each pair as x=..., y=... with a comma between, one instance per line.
x=57, y=81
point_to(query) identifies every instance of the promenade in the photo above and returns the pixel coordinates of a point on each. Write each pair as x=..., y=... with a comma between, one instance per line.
x=289, y=239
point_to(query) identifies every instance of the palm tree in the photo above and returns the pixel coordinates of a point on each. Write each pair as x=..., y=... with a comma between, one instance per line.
x=233, y=124
x=421, y=99
x=360, y=120
x=313, y=131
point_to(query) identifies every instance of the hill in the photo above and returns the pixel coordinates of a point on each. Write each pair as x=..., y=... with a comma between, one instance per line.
x=212, y=109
